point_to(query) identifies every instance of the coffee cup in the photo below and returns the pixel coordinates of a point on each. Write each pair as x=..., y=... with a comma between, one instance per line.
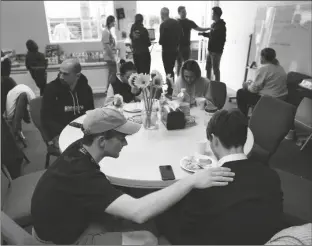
x=200, y=102
x=201, y=147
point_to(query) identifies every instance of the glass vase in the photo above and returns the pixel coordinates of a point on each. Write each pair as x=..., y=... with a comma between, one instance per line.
x=150, y=119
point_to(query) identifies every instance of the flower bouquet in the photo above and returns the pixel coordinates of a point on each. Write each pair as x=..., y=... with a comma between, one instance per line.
x=150, y=84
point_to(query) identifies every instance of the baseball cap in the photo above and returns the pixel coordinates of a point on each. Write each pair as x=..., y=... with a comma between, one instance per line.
x=107, y=118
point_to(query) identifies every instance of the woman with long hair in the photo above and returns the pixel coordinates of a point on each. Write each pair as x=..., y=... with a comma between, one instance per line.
x=109, y=45
x=140, y=43
x=190, y=78
x=270, y=80
x=36, y=64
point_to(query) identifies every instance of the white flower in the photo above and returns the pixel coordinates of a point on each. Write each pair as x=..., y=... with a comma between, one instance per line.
x=118, y=100
x=165, y=88
x=132, y=80
x=142, y=81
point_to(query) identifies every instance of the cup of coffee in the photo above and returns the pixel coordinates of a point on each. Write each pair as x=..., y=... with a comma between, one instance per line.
x=200, y=102
x=201, y=147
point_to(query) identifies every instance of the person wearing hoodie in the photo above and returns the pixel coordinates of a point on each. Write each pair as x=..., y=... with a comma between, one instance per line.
x=36, y=65
x=140, y=42
x=217, y=38
x=65, y=99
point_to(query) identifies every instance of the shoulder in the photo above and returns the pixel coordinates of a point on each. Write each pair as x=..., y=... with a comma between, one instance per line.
x=203, y=81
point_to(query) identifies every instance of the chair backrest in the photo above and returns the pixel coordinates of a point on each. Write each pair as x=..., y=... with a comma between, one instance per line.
x=13, y=234
x=35, y=113
x=270, y=122
x=304, y=113
x=217, y=93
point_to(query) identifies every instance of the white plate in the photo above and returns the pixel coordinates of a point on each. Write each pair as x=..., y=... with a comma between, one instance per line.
x=132, y=107
x=194, y=166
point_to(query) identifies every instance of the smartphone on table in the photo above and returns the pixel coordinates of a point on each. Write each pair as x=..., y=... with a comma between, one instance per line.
x=75, y=124
x=166, y=172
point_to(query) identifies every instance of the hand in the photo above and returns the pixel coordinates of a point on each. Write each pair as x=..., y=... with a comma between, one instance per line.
x=218, y=176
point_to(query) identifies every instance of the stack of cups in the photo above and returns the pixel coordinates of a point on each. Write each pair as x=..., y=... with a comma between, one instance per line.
x=200, y=102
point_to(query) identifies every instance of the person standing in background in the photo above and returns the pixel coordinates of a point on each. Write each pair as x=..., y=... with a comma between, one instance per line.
x=109, y=45
x=185, y=42
x=140, y=43
x=217, y=38
x=170, y=36
x=36, y=64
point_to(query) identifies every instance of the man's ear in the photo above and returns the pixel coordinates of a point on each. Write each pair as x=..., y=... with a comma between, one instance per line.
x=101, y=141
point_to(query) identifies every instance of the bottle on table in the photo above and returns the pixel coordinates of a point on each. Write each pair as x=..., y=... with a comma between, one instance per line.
x=184, y=101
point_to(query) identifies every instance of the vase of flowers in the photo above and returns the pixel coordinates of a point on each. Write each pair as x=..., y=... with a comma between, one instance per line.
x=151, y=85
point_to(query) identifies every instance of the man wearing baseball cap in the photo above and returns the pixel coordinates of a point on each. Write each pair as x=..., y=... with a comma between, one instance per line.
x=73, y=193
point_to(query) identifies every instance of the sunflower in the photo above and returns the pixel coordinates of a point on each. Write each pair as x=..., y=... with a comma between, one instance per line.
x=142, y=81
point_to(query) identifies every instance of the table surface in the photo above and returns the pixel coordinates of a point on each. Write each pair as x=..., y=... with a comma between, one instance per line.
x=139, y=161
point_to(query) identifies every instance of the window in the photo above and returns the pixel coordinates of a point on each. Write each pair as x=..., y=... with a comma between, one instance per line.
x=76, y=21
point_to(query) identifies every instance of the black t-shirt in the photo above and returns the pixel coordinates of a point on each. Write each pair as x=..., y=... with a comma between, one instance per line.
x=71, y=194
x=187, y=25
x=248, y=211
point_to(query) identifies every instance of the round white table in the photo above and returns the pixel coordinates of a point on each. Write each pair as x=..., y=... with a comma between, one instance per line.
x=139, y=161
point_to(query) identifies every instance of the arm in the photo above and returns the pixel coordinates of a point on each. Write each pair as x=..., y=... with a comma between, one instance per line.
x=146, y=35
x=258, y=84
x=202, y=29
x=161, y=34
x=142, y=209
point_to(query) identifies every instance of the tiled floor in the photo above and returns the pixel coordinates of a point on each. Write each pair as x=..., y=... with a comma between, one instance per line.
x=36, y=148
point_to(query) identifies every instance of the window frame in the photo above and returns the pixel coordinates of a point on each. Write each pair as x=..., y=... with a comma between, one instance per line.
x=82, y=40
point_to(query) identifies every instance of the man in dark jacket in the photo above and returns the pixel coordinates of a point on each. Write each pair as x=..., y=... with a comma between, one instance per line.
x=247, y=211
x=65, y=99
x=140, y=43
x=170, y=35
x=217, y=37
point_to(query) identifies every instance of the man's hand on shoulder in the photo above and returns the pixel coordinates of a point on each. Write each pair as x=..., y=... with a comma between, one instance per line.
x=219, y=176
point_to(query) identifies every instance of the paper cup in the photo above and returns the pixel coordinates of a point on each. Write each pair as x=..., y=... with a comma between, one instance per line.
x=200, y=102
x=201, y=147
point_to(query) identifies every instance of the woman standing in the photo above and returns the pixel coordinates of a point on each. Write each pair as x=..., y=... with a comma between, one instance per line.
x=109, y=45
x=140, y=43
x=36, y=65
x=270, y=80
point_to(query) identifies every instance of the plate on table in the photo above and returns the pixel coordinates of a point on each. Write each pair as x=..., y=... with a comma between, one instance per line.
x=134, y=107
x=194, y=163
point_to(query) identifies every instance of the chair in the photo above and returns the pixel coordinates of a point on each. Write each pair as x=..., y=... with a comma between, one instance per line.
x=295, y=235
x=303, y=119
x=270, y=122
x=16, y=195
x=217, y=93
x=35, y=111
x=13, y=234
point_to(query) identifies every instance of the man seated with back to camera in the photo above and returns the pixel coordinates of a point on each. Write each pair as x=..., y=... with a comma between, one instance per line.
x=73, y=200
x=65, y=99
x=247, y=211
x=120, y=85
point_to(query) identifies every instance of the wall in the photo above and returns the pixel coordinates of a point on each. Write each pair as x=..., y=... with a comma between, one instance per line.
x=22, y=20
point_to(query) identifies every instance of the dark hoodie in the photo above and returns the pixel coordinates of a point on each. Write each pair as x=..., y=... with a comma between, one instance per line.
x=60, y=105
x=141, y=44
x=217, y=36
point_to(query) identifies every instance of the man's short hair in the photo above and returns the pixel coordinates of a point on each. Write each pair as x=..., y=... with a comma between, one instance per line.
x=230, y=126
x=181, y=8
x=165, y=11
x=217, y=11
x=127, y=66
